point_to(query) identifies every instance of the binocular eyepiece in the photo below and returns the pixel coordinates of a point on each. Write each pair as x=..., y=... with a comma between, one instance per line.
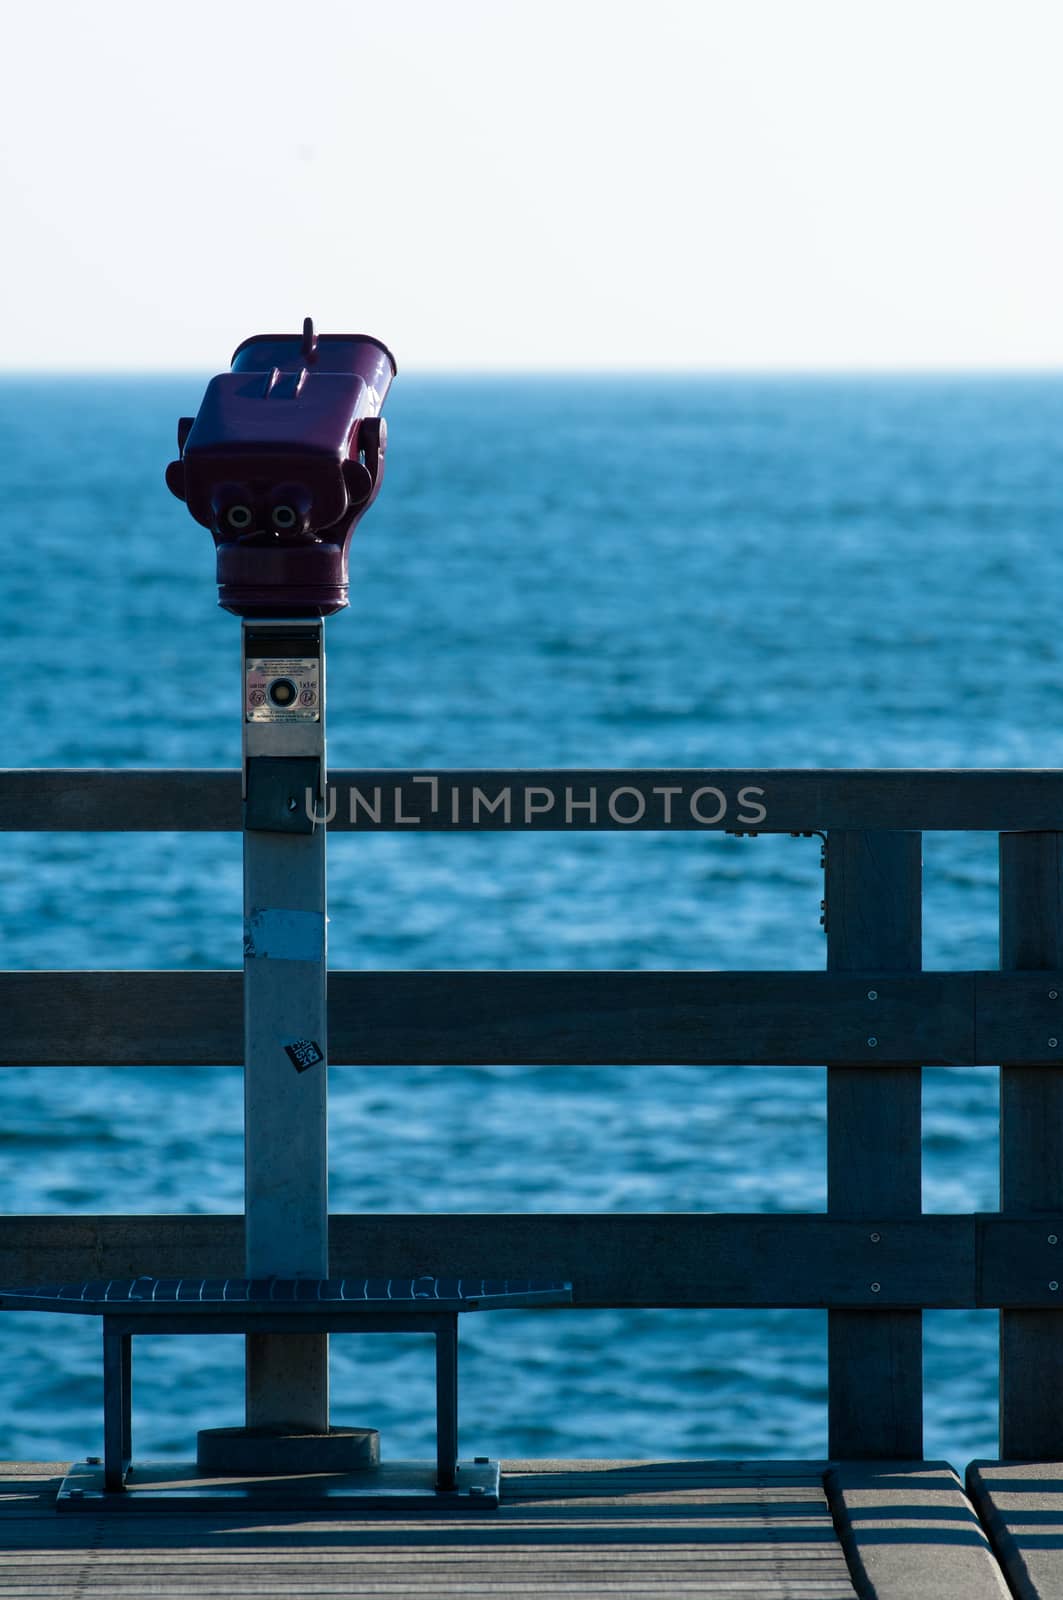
x=284, y=456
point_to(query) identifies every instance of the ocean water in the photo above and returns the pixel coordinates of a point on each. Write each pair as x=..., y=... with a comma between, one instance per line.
x=619, y=572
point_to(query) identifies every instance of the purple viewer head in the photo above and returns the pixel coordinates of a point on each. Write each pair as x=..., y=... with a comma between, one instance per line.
x=283, y=458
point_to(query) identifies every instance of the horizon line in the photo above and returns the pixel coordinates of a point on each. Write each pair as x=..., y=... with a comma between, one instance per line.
x=564, y=373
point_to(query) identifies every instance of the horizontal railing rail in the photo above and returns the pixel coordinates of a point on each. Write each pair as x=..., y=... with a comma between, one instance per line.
x=552, y=1018
x=705, y=1260
x=781, y=800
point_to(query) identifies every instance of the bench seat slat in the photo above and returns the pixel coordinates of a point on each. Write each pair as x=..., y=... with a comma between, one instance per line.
x=153, y=1296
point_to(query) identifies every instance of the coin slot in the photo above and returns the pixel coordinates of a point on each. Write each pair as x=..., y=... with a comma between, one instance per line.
x=282, y=692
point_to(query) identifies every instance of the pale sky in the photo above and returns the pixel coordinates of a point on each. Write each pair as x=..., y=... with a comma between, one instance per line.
x=634, y=184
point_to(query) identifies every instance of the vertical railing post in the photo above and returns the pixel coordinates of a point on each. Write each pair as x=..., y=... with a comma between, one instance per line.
x=874, y=1157
x=1031, y=1147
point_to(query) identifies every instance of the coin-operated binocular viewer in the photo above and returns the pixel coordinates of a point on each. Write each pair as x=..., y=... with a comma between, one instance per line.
x=284, y=457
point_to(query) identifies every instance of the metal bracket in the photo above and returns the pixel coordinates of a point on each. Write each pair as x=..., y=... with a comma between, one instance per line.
x=818, y=833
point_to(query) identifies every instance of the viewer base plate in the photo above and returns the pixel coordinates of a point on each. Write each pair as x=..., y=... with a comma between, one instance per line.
x=155, y=1486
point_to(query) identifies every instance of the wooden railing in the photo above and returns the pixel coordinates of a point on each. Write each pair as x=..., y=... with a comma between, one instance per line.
x=872, y=1260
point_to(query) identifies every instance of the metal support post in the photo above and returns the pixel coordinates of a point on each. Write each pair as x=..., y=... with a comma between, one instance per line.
x=117, y=1406
x=285, y=1042
x=447, y=1403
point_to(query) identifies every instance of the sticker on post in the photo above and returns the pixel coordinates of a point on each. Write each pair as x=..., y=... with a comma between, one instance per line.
x=304, y=1053
x=280, y=935
x=282, y=689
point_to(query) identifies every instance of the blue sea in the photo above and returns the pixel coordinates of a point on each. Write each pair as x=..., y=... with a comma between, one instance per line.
x=591, y=572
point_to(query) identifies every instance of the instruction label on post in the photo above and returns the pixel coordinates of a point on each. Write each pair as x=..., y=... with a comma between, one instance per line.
x=282, y=689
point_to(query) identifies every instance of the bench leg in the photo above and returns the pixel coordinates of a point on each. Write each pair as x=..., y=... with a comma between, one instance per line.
x=447, y=1403
x=127, y=1397
x=117, y=1406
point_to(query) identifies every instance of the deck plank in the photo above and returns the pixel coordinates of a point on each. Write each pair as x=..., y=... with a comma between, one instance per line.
x=910, y=1530
x=715, y=1529
x=1021, y=1507
x=700, y=1529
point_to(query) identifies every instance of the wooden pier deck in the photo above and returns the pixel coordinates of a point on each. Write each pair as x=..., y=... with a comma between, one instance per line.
x=772, y=1530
